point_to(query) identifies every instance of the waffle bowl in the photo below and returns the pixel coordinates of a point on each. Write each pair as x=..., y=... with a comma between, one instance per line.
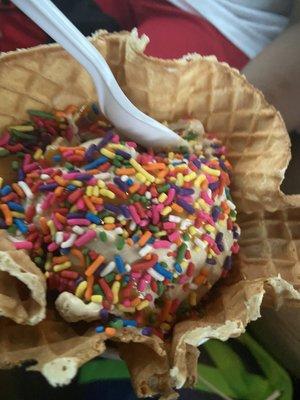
x=266, y=271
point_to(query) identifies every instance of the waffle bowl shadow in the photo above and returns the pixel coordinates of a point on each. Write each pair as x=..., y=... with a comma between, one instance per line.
x=265, y=272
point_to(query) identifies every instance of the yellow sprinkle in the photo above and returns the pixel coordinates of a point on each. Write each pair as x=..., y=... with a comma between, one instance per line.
x=196, y=205
x=192, y=230
x=148, y=183
x=172, y=179
x=1, y=182
x=190, y=177
x=166, y=211
x=107, y=193
x=165, y=327
x=115, y=290
x=210, y=171
x=125, y=234
x=222, y=222
x=140, y=169
x=109, y=220
x=158, y=181
x=51, y=226
x=73, y=209
x=22, y=128
x=197, y=249
x=89, y=191
x=199, y=180
x=212, y=253
x=126, y=309
x=162, y=197
x=117, y=146
x=61, y=267
x=184, y=264
x=80, y=290
x=179, y=180
x=96, y=298
x=101, y=184
x=17, y=214
x=171, y=155
x=210, y=228
x=96, y=191
x=143, y=304
x=193, y=299
x=48, y=265
x=140, y=177
x=38, y=154
x=77, y=183
x=204, y=205
x=47, y=274
x=107, y=153
x=160, y=234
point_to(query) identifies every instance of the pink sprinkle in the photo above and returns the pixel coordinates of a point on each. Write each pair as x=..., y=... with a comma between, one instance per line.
x=66, y=236
x=68, y=153
x=99, y=207
x=183, y=279
x=205, y=217
x=170, y=198
x=58, y=224
x=173, y=237
x=71, y=175
x=131, y=144
x=155, y=213
x=79, y=221
x=74, y=196
x=30, y=167
x=208, y=239
x=149, y=297
x=4, y=139
x=24, y=245
x=85, y=238
x=144, y=222
x=161, y=244
x=80, y=204
x=204, y=195
x=92, y=181
x=210, y=178
x=134, y=214
x=52, y=246
x=47, y=201
x=115, y=139
x=215, y=249
x=126, y=303
x=27, y=159
x=147, y=277
x=142, y=285
x=169, y=225
x=235, y=248
x=136, y=275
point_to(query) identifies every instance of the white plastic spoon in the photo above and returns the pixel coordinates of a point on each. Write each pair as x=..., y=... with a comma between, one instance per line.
x=113, y=102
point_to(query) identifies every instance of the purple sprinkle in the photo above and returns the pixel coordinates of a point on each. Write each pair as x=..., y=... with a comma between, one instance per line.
x=211, y=261
x=76, y=215
x=84, y=177
x=122, y=185
x=213, y=186
x=147, y=331
x=175, y=187
x=2, y=224
x=122, y=153
x=104, y=314
x=197, y=163
x=89, y=154
x=215, y=213
x=21, y=175
x=112, y=208
x=79, y=280
x=107, y=138
x=48, y=187
x=186, y=206
x=185, y=191
x=228, y=263
x=125, y=211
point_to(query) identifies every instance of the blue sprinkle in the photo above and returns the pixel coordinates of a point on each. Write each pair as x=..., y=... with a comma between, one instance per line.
x=99, y=329
x=21, y=175
x=65, y=251
x=15, y=206
x=126, y=278
x=112, y=208
x=129, y=181
x=178, y=268
x=20, y=225
x=129, y=322
x=95, y=108
x=90, y=152
x=96, y=163
x=135, y=238
x=48, y=187
x=122, y=153
x=93, y=218
x=190, y=209
x=57, y=158
x=5, y=190
x=104, y=314
x=164, y=272
x=213, y=186
x=151, y=240
x=120, y=264
x=215, y=213
x=125, y=211
x=122, y=185
x=71, y=187
x=197, y=163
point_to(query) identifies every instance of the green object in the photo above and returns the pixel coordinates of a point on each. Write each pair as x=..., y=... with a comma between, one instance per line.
x=181, y=252
x=120, y=242
x=41, y=114
x=3, y=152
x=103, y=369
x=103, y=236
x=15, y=165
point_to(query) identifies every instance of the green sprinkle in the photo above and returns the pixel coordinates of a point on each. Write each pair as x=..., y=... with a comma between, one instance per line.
x=186, y=237
x=120, y=158
x=160, y=288
x=12, y=229
x=20, y=155
x=120, y=242
x=3, y=152
x=181, y=252
x=103, y=236
x=85, y=251
x=42, y=114
x=163, y=188
x=190, y=136
x=22, y=135
x=153, y=228
x=38, y=260
x=117, y=163
x=110, y=277
x=15, y=165
x=136, y=197
x=69, y=166
x=117, y=323
x=97, y=290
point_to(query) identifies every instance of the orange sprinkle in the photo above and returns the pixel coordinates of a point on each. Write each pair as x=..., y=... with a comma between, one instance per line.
x=18, y=190
x=60, y=218
x=118, y=277
x=96, y=200
x=64, y=148
x=109, y=227
x=154, y=166
x=125, y=171
x=59, y=114
x=134, y=188
x=79, y=152
x=135, y=302
x=175, y=207
x=71, y=109
x=144, y=238
x=7, y=214
x=89, y=204
x=162, y=174
x=33, y=175
x=147, y=257
x=61, y=181
x=130, y=242
x=95, y=264
x=58, y=191
x=44, y=226
x=77, y=253
x=199, y=279
x=60, y=259
x=89, y=289
x=110, y=331
x=166, y=309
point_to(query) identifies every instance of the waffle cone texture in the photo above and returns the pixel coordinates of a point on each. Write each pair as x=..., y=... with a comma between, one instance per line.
x=266, y=271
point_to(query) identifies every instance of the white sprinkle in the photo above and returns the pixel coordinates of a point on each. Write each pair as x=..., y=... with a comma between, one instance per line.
x=193, y=286
x=132, y=226
x=231, y=205
x=148, y=195
x=45, y=176
x=26, y=189
x=200, y=243
x=118, y=230
x=108, y=269
x=127, y=267
x=104, y=176
x=39, y=209
x=155, y=201
x=59, y=237
x=124, y=178
x=77, y=229
x=145, y=250
x=155, y=274
x=185, y=224
x=174, y=218
x=69, y=242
